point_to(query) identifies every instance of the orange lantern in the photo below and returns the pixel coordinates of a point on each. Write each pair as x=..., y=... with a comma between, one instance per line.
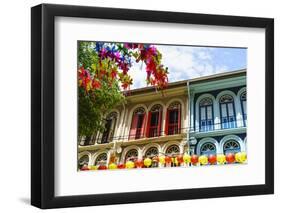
x=139, y=163
x=230, y=158
x=121, y=166
x=180, y=159
x=102, y=167
x=84, y=168
x=168, y=159
x=212, y=159
x=194, y=159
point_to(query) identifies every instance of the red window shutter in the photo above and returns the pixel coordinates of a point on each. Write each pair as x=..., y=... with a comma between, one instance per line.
x=143, y=126
x=159, y=123
x=133, y=129
x=167, y=122
x=148, y=124
x=179, y=119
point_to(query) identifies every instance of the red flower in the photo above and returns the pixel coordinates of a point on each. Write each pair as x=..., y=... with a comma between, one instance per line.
x=96, y=84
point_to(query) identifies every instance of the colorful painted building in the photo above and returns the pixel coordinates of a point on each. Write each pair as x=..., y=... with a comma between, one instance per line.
x=218, y=114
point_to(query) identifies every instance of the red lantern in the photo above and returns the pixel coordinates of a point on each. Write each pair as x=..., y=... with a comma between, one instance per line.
x=212, y=159
x=139, y=163
x=180, y=159
x=230, y=158
x=121, y=166
x=102, y=167
x=194, y=159
x=84, y=168
x=168, y=159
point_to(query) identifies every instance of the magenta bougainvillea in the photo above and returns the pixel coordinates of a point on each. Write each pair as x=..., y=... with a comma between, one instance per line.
x=112, y=61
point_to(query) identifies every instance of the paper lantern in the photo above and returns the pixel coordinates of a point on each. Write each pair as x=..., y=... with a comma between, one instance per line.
x=121, y=166
x=139, y=163
x=230, y=158
x=112, y=166
x=94, y=167
x=147, y=162
x=241, y=157
x=84, y=168
x=102, y=167
x=175, y=161
x=130, y=164
x=194, y=159
x=221, y=159
x=186, y=158
x=180, y=159
x=168, y=159
x=203, y=160
x=162, y=159
x=212, y=159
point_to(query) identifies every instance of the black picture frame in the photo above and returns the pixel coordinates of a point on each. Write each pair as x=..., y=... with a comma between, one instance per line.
x=43, y=105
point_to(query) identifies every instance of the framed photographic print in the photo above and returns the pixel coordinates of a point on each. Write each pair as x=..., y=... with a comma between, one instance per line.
x=139, y=106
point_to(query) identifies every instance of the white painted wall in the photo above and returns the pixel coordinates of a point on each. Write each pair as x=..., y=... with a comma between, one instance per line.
x=15, y=105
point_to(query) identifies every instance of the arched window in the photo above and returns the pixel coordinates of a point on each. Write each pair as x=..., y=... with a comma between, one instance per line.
x=137, y=125
x=173, y=151
x=154, y=122
x=208, y=148
x=110, y=124
x=84, y=160
x=132, y=155
x=227, y=111
x=243, y=99
x=231, y=146
x=173, y=119
x=206, y=115
x=151, y=153
x=101, y=159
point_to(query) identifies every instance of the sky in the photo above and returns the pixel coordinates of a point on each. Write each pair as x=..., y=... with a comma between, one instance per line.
x=187, y=62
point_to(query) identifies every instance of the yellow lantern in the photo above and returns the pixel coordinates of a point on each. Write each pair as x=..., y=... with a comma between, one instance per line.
x=241, y=157
x=203, y=160
x=130, y=164
x=94, y=167
x=147, y=162
x=221, y=159
x=112, y=166
x=162, y=159
x=186, y=158
x=176, y=161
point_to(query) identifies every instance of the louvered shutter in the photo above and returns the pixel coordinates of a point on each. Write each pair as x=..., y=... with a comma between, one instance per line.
x=148, y=124
x=133, y=129
x=167, y=122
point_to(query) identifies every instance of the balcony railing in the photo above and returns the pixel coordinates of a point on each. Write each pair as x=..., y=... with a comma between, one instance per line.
x=227, y=123
x=173, y=129
x=153, y=132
